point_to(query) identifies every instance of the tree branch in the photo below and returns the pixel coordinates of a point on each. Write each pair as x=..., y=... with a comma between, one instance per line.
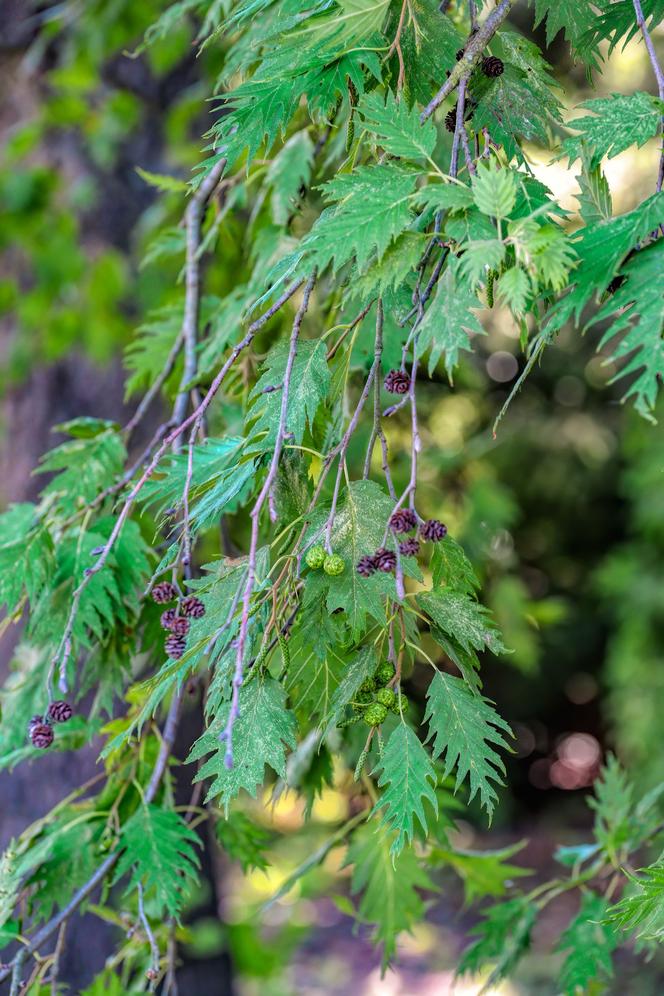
x=471, y=56
x=659, y=76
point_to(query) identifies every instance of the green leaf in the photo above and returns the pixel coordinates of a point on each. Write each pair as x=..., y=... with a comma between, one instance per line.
x=147, y=353
x=407, y=781
x=503, y=938
x=465, y=728
x=511, y=112
x=613, y=805
x=448, y=322
x=354, y=24
x=450, y=567
x=575, y=19
x=478, y=259
x=462, y=617
x=243, y=841
x=262, y=732
x=588, y=941
x=27, y=560
x=167, y=184
x=289, y=171
x=615, y=123
x=514, y=289
x=316, y=666
x=159, y=853
x=641, y=911
x=484, y=873
x=397, y=127
x=397, y=265
x=357, y=671
x=638, y=304
x=359, y=525
x=86, y=466
x=494, y=191
x=389, y=899
x=372, y=208
x=310, y=383
x=601, y=249
x=445, y=196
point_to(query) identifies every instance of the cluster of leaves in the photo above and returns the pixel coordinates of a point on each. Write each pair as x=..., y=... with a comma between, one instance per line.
x=329, y=169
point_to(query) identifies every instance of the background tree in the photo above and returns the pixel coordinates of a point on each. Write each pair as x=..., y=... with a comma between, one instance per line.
x=280, y=488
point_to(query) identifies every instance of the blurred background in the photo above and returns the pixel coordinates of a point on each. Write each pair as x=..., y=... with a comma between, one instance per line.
x=562, y=514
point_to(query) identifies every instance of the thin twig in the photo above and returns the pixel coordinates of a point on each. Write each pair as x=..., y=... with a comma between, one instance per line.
x=659, y=76
x=63, y=652
x=471, y=56
x=192, y=297
x=57, y=954
x=154, y=948
x=227, y=733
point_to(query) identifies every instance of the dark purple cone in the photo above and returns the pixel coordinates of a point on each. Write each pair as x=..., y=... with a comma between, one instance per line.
x=385, y=560
x=410, y=547
x=450, y=120
x=492, y=66
x=175, y=646
x=403, y=520
x=366, y=566
x=60, y=711
x=164, y=592
x=433, y=530
x=41, y=735
x=180, y=626
x=397, y=382
x=35, y=721
x=192, y=607
x=167, y=617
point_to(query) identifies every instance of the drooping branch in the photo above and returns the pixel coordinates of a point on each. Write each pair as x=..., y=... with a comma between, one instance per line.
x=227, y=733
x=63, y=652
x=471, y=56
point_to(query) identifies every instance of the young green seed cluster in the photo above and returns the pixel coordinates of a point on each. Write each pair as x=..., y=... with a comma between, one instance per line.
x=373, y=700
x=317, y=557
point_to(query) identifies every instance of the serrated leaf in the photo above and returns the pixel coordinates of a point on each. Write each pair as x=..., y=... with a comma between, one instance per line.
x=641, y=911
x=407, y=779
x=465, y=728
x=373, y=206
x=310, y=383
x=638, y=305
x=448, y=322
x=575, y=19
x=462, y=617
x=388, y=886
x=514, y=289
x=159, y=853
x=148, y=351
x=445, y=196
x=484, y=873
x=166, y=184
x=358, y=669
x=615, y=123
x=289, y=171
x=478, y=259
x=494, y=191
x=601, y=249
x=588, y=941
x=262, y=732
x=503, y=937
x=84, y=466
x=243, y=841
x=450, y=567
x=397, y=127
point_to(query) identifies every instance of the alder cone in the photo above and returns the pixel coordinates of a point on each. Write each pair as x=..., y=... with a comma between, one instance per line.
x=403, y=520
x=397, y=382
x=192, y=607
x=175, y=646
x=366, y=566
x=180, y=626
x=492, y=66
x=450, y=119
x=433, y=530
x=385, y=560
x=60, y=711
x=166, y=619
x=41, y=735
x=164, y=592
x=410, y=547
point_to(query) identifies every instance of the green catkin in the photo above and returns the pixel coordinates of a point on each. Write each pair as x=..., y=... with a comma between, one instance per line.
x=283, y=646
x=491, y=279
x=360, y=764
